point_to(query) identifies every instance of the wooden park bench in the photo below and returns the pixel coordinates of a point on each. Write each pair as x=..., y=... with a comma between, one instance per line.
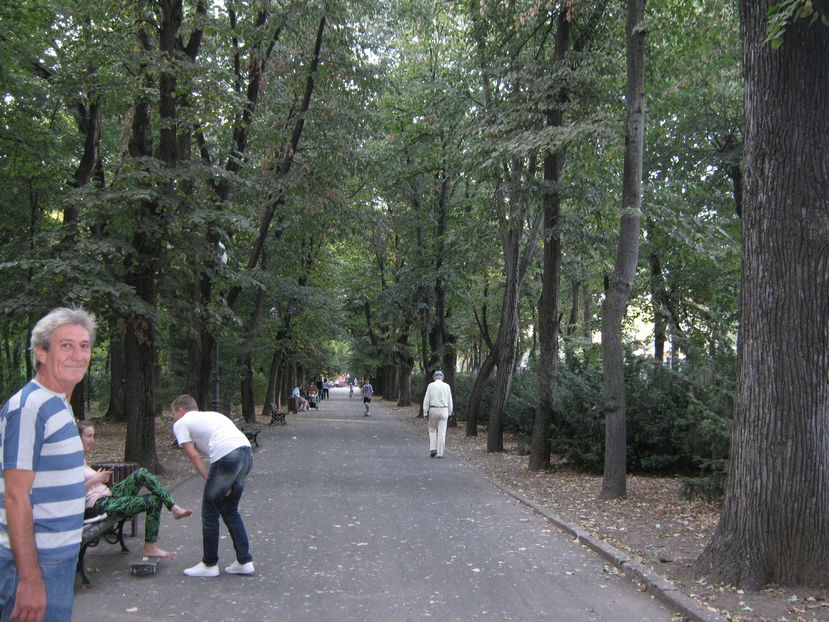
x=108, y=529
x=251, y=433
x=275, y=413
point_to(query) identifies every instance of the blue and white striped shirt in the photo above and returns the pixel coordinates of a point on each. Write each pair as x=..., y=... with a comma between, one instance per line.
x=38, y=433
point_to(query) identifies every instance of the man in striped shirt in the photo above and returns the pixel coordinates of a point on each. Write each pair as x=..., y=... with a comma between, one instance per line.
x=41, y=515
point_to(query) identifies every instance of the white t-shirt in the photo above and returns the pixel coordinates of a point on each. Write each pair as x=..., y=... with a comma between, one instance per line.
x=214, y=434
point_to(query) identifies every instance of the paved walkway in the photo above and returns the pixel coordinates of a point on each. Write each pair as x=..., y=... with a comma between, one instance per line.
x=350, y=520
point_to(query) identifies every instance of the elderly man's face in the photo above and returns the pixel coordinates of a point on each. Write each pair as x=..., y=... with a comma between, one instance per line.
x=64, y=364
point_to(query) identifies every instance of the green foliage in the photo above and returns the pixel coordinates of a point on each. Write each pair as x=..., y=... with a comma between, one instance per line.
x=578, y=421
x=785, y=13
x=678, y=420
x=520, y=411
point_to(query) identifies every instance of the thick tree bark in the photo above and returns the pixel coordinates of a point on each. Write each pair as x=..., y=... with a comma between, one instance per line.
x=142, y=274
x=773, y=527
x=551, y=278
x=627, y=254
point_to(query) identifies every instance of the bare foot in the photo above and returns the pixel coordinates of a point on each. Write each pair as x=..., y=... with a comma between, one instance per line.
x=180, y=512
x=151, y=550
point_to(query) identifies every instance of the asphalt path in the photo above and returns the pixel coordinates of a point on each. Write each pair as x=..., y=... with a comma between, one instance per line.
x=349, y=519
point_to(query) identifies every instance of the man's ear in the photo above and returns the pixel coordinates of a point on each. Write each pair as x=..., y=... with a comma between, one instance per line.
x=40, y=353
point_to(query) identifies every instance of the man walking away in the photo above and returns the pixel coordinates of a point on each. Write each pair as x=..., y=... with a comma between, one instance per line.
x=437, y=408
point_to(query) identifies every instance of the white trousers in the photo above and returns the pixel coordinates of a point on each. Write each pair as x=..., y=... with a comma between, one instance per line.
x=437, y=429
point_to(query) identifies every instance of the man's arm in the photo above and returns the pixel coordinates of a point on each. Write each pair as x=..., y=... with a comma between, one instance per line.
x=30, y=601
x=195, y=457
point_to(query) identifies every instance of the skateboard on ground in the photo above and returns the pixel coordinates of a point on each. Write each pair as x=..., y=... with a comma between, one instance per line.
x=144, y=566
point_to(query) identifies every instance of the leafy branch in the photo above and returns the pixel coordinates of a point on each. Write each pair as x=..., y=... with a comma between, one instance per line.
x=783, y=14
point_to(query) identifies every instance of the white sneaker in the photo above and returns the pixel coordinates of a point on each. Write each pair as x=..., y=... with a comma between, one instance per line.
x=200, y=570
x=237, y=568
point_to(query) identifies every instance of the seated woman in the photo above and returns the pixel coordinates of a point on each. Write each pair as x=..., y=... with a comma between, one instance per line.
x=123, y=500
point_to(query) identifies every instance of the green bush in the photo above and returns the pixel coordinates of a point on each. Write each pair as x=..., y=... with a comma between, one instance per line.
x=678, y=420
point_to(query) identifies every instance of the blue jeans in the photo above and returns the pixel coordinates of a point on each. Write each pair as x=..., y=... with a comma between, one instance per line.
x=227, y=473
x=58, y=579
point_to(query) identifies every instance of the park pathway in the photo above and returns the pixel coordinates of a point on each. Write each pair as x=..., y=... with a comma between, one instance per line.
x=350, y=520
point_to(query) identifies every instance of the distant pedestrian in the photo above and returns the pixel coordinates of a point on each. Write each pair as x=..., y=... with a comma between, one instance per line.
x=326, y=387
x=42, y=483
x=368, y=391
x=231, y=459
x=437, y=408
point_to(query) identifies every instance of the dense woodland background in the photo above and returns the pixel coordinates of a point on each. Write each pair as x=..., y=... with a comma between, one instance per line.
x=249, y=194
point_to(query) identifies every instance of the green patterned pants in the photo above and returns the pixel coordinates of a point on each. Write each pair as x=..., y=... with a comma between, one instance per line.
x=125, y=501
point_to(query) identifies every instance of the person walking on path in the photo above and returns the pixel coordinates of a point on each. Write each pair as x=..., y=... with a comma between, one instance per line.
x=368, y=391
x=437, y=408
x=231, y=459
x=123, y=500
x=41, y=514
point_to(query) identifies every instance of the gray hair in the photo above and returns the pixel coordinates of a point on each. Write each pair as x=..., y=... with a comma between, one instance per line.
x=438, y=374
x=42, y=332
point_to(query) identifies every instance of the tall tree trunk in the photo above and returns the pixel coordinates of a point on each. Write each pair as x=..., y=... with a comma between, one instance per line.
x=139, y=357
x=506, y=346
x=405, y=363
x=551, y=279
x=657, y=296
x=773, y=526
x=513, y=225
x=142, y=274
x=587, y=317
x=246, y=357
x=572, y=326
x=118, y=380
x=477, y=393
x=627, y=253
